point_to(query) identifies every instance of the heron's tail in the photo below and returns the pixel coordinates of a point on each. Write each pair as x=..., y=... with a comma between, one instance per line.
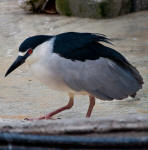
x=136, y=74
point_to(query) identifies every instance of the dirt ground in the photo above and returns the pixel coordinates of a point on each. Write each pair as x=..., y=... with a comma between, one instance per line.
x=21, y=95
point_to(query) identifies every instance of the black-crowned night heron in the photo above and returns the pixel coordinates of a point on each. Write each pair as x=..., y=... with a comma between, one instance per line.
x=77, y=63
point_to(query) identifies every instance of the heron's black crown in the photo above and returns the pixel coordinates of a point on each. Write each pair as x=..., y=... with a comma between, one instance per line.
x=33, y=42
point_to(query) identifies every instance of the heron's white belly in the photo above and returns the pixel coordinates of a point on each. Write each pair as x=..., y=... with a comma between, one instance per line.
x=49, y=77
x=52, y=79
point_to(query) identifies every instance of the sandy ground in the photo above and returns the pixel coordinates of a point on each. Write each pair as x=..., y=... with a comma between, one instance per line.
x=21, y=95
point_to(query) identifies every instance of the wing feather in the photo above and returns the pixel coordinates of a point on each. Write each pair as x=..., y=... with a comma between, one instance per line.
x=102, y=78
x=70, y=45
x=86, y=65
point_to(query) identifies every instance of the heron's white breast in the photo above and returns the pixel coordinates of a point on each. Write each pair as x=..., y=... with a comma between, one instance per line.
x=45, y=66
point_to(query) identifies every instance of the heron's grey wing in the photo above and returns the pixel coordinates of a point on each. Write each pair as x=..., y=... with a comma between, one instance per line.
x=102, y=78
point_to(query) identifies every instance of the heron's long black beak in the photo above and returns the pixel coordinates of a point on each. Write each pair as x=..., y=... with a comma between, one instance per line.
x=19, y=61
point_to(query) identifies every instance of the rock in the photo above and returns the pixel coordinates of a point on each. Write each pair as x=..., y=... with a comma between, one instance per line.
x=47, y=6
x=50, y=7
x=32, y=5
x=93, y=8
x=83, y=8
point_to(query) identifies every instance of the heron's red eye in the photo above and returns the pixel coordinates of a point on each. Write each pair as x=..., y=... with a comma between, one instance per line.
x=30, y=51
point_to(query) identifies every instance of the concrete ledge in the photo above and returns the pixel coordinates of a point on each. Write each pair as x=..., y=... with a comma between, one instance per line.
x=76, y=126
x=111, y=133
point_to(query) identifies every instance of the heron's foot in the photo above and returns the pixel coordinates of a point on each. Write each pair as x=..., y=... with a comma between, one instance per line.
x=40, y=118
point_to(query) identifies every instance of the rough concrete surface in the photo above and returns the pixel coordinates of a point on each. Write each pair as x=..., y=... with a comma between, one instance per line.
x=21, y=95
